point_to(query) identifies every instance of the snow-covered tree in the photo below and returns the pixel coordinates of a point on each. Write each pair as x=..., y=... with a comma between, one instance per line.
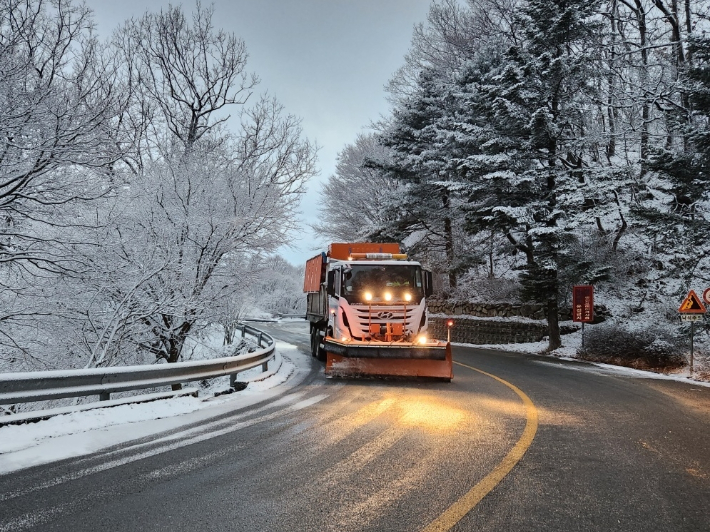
x=421, y=159
x=202, y=196
x=536, y=103
x=184, y=75
x=58, y=102
x=181, y=205
x=495, y=137
x=277, y=287
x=678, y=198
x=434, y=129
x=185, y=217
x=357, y=199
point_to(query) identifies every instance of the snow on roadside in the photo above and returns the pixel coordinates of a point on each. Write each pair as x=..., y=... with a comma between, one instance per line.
x=16, y=437
x=642, y=374
x=571, y=343
x=79, y=433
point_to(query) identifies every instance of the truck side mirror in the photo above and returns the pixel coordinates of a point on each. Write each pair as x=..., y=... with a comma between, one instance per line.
x=330, y=283
x=428, y=283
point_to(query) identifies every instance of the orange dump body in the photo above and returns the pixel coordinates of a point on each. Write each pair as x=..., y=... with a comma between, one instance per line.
x=315, y=274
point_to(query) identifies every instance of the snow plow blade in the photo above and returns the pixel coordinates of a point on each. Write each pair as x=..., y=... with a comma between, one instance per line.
x=385, y=360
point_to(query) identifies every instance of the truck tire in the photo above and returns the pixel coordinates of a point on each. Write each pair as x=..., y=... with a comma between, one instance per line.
x=320, y=352
x=315, y=340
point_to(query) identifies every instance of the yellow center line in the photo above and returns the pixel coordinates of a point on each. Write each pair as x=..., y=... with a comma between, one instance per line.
x=465, y=504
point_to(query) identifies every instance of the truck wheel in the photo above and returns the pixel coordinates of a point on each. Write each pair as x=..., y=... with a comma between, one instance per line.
x=320, y=352
x=315, y=340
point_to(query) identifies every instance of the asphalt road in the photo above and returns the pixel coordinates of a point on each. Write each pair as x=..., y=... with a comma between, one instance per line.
x=589, y=450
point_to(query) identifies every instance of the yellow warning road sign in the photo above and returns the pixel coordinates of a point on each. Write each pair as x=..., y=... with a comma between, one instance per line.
x=692, y=304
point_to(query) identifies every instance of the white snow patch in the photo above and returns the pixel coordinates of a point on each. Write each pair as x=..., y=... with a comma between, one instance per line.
x=520, y=319
x=623, y=371
x=16, y=437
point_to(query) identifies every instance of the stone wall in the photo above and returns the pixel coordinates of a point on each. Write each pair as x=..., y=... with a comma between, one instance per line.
x=505, y=310
x=472, y=330
x=486, y=310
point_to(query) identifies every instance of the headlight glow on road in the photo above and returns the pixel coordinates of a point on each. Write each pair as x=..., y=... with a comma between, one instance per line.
x=430, y=414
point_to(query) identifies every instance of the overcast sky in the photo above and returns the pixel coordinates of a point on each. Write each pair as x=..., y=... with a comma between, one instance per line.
x=327, y=61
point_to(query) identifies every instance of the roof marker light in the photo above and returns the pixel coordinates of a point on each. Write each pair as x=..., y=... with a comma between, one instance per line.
x=378, y=256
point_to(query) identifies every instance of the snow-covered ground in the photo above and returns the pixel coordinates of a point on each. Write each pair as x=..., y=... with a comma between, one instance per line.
x=81, y=433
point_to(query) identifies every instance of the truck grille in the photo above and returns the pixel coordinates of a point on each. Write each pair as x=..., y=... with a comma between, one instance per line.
x=382, y=316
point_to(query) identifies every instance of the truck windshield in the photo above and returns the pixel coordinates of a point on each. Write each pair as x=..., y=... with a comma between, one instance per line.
x=379, y=281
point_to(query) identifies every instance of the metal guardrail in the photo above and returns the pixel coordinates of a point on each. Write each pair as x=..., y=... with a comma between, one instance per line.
x=278, y=316
x=43, y=385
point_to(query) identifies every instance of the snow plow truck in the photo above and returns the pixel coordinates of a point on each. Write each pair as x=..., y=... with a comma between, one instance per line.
x=366, y=304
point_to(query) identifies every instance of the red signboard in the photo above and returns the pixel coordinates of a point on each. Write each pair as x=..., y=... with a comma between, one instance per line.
x=583, y=303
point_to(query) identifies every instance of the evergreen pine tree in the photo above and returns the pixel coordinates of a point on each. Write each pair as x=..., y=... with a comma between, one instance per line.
x=676, y=209
x=535, y=105
x=414, y=135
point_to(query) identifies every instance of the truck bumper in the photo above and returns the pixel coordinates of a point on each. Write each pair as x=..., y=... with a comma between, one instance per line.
x=388, y=360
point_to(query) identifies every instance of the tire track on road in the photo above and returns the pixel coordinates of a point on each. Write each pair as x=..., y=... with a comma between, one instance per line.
x=164, y=445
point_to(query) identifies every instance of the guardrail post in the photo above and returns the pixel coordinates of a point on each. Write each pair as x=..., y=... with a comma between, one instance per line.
x=232, y=380
x=258, y=342
x=265, y=367
x=104, y=396
x=244, y=330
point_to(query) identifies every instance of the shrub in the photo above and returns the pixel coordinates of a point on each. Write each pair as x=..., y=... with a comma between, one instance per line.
x=486, y=290
x=640, y=349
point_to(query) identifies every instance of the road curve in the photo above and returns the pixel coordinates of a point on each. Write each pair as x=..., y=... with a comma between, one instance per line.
x=513, y=443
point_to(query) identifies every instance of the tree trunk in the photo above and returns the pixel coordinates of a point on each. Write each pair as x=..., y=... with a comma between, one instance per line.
x=611, y=81
x=491, y=252
x=646, y=106
x=174, y=356
x=553, y=318
x=688, y=27
x=449, y=242
x=176, y=342
x=623, y=227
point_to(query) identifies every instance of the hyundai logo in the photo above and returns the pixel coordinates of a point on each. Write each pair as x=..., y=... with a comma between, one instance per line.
x=385, y=315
